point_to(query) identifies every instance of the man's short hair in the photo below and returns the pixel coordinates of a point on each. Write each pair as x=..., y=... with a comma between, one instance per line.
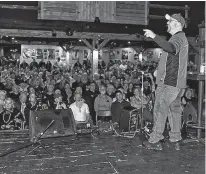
x=118, y=91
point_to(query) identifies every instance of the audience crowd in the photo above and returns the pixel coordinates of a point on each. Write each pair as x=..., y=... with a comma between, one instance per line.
x=38, y=86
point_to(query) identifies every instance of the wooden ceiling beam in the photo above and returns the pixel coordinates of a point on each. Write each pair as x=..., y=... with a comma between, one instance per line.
x=103, y=43
x=76, y=35
x=169, y=7
x=87, y=44
x=63, y=25
x=19, y=7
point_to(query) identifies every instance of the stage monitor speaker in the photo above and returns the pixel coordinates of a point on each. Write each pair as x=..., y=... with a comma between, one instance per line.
x=190, y=113
x=128, y=118
x=64, y=123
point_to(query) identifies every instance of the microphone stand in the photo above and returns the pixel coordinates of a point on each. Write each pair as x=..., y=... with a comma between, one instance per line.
x=142, y=109
x=36, y=141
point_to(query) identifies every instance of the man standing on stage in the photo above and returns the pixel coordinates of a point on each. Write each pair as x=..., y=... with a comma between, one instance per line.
x=171, y=80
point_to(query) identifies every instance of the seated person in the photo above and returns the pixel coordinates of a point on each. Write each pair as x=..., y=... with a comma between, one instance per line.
x=34, y=104
x=89, y=97
x=117, y=106
x=66, y=94
x=10, y=118
x=24, y=110
x=137, y=103
x=58, y=103
x=111, y=90
x=102, y=102
x=48, y=99
x=80, y=110
x=14, y=95
x=78, y=90
x=2, y=98
x=188, y=97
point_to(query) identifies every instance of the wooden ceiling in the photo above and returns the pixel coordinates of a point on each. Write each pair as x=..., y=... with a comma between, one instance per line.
x=27, y=19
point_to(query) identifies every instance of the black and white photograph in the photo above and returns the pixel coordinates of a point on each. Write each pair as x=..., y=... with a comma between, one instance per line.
x=102, y=87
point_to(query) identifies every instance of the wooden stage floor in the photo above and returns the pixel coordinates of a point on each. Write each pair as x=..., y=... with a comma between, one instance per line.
x=105, y=155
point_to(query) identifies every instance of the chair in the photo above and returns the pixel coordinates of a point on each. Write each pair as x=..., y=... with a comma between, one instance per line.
x=104, y=126
x=105, y=113
x=85, y=127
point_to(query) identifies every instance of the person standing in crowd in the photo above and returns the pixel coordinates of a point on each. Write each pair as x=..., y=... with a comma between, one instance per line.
x=171, y=80
x=57, y=62
x=42, y=63
x=48, y=66
x=77, y=64
x=34, y=64
x=24, y=64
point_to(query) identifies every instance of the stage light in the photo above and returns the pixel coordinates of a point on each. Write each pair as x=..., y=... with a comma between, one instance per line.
x=97, y=20
x=128, y=42
x=12, y=38
x=69, y=32
x=54, y=34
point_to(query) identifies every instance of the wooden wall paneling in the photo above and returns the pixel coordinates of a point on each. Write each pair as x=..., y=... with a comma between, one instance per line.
x=132, y=12
x=40, y=10
x=86, y=11
x=146, y=12
x=19, y=7
x=58, y=10
x=106, y=11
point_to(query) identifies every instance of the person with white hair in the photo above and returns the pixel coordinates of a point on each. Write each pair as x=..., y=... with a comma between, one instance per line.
x=171, y=80
x=10, y=118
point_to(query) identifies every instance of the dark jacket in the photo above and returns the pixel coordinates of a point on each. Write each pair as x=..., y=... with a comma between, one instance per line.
x=116, y=109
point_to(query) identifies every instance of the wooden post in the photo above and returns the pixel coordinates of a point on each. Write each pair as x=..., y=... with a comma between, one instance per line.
x=1, y=51
x=186, y=16
x=200, y=104
x=95, y=56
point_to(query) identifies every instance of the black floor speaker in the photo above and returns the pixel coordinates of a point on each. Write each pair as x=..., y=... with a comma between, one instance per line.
x=128, y=119
x=64, y=123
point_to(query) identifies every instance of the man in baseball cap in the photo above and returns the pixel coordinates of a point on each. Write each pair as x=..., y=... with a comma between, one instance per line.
x=176, y=17
x=171, y=81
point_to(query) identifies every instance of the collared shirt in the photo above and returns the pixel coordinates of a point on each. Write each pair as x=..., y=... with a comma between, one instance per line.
x=80, y=114
x=102, y=103
x=172, y=68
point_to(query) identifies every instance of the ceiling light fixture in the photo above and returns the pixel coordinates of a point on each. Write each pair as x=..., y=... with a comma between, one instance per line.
x=96, y=20
x=69, y=32
x=54, y=34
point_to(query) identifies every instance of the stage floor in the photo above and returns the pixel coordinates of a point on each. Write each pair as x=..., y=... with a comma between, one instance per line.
x=105, y=155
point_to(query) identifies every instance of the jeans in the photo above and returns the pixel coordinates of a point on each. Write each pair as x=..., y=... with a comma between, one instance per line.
x=167, y=104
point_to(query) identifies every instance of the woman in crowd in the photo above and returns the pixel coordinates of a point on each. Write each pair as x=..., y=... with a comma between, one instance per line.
x=10, y=118
x=138, y=101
